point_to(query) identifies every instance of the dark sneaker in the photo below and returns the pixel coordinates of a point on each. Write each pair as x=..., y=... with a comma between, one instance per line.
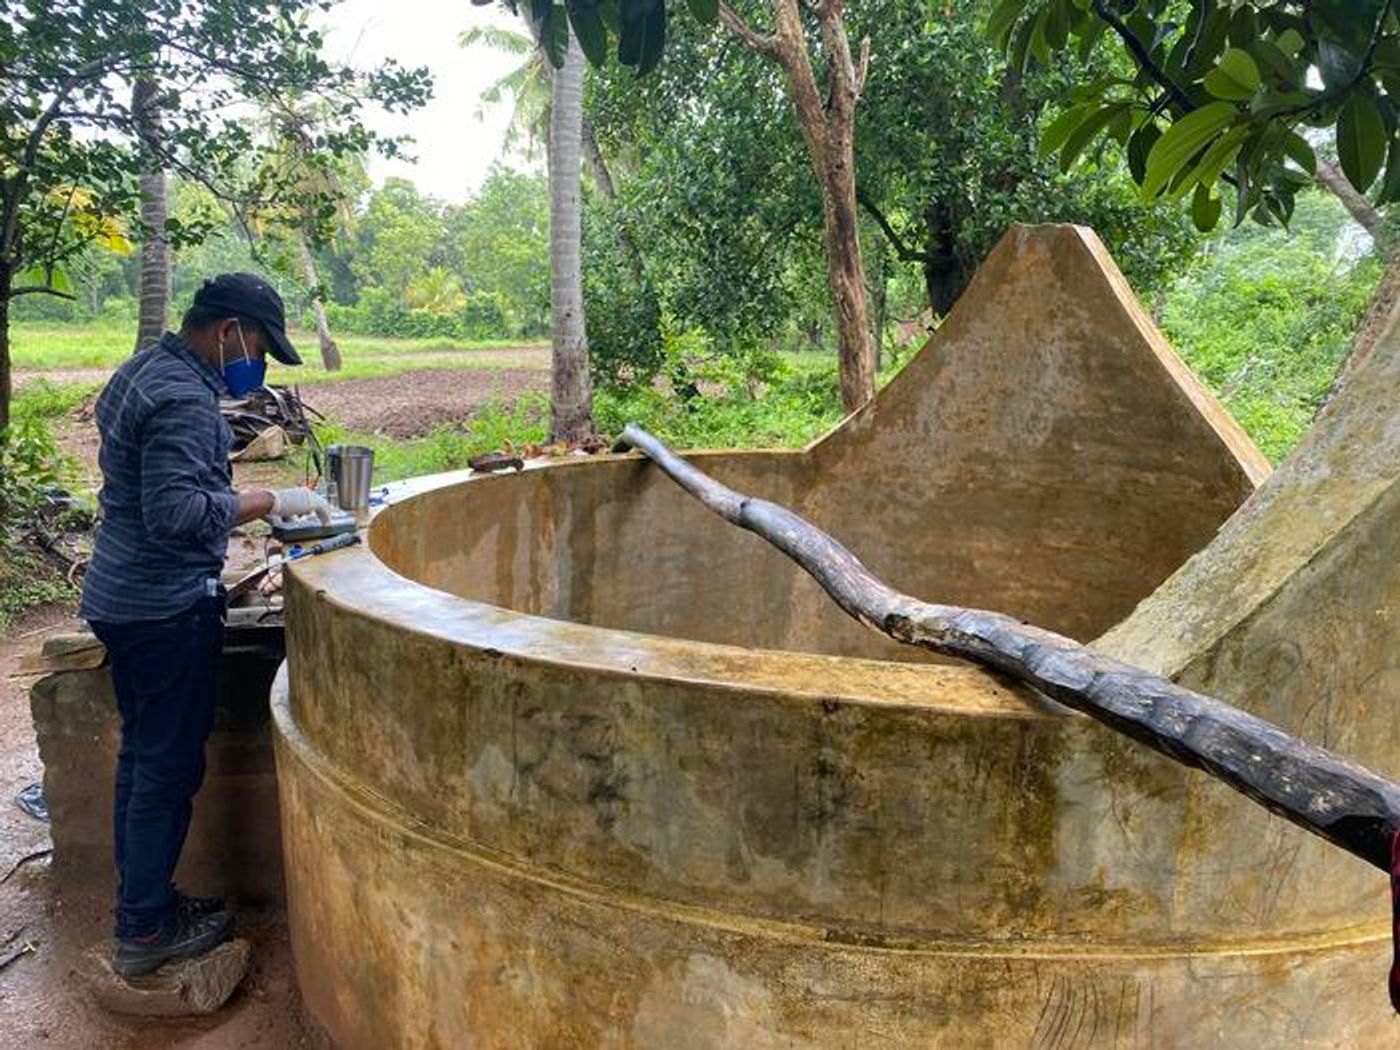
x=183, y=936
x=198, y=906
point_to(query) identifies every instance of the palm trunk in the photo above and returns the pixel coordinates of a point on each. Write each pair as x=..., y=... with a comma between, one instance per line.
x=828, y=129
x=571, y=384
x=330, y=353
x=155, y=247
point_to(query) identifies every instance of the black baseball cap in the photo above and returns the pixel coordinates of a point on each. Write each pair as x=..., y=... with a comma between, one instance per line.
x=248, y=295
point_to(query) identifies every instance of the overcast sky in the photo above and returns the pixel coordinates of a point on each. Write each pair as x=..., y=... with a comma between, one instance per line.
x=453, y=148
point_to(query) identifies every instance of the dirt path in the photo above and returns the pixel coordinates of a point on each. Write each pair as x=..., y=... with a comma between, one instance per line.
x=413, y=403
x=41, y=1004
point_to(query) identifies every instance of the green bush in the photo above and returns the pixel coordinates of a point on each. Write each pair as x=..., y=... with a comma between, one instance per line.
x=379, y=313
x=1267, y=317
x=30, y=464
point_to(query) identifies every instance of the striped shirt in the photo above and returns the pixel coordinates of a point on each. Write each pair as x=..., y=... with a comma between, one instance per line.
x=167, y=501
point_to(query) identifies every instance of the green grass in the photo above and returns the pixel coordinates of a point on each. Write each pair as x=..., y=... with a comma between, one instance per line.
x=45, y=346
x=800, y=406
x=42, y=399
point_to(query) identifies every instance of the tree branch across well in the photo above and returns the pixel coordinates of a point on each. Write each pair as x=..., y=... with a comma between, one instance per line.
x=1344, y=803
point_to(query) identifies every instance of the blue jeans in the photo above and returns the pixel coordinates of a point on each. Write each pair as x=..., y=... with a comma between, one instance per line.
x=166, y=677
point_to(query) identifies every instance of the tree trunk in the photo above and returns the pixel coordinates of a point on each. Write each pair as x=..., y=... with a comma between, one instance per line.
x=155, y=247
x=597, y=165
x=6, y=282
x=879, y=298
x=1321, y=791
x=827, y=123
x=570, y=384
x=1361, y=209
x=330, y=353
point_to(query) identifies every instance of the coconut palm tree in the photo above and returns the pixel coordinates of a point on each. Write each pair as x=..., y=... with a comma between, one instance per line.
x=293, y=163
x=571, y=385
x=154, y=297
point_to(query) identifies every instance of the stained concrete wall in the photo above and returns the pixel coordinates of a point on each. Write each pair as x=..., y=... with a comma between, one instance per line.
x=1047, y=455
x=234, y=847
x=508, y=829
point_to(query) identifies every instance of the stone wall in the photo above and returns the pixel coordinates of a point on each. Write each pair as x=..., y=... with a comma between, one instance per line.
x=234, y=847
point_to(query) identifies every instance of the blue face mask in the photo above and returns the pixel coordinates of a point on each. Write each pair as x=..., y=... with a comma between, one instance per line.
x=245, y=376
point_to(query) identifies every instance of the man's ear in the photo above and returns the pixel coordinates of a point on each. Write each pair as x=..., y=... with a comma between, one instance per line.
x=226, y=332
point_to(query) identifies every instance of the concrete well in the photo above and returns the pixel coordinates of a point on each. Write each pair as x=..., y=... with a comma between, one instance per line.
x=565, y=761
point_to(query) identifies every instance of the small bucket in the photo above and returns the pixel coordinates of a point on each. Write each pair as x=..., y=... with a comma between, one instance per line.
x=351, y=467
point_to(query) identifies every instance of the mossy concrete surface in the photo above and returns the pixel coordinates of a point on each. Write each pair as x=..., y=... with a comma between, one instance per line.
x=565, y=761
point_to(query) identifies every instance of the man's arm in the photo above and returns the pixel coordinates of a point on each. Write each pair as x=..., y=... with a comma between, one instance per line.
x=176, y=443
x=252, y=503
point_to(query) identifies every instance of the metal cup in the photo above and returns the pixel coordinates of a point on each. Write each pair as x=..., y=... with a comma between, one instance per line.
x=351, y=467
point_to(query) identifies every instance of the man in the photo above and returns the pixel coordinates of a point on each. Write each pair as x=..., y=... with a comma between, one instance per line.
x=152, y=591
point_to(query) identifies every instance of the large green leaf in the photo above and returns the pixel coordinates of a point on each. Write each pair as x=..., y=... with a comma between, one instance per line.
x=1235, y=77
x=1060, y=128
x=1139, y=147
x=1361, y=140
x=1081, y=136
x=1390, y=190
x=1300, y=151
x=654, y=43
x=1182, y=141
x=706, y=11
x=1214, y=160
x=1002, y=19
x=1205, y=209
x=589, y=29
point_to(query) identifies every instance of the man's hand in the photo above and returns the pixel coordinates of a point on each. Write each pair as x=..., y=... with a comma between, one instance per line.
x=294, y=502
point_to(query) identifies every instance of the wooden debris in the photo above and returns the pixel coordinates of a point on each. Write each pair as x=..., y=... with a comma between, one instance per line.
x=1345, y=803
x=491, y=462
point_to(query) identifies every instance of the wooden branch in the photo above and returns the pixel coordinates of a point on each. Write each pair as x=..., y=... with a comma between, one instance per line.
x=765, y=44
x=905, y=253
x=40, y=289
x=1346, y=804
x=862, y=66
x=1140, y=53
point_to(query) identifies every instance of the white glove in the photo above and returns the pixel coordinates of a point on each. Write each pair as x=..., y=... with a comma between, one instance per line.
x=296, y=502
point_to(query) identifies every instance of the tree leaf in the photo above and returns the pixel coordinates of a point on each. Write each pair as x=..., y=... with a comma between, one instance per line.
x=1361, y=140
x=1390, y=190
x=705, y=11
x=1060, y=128
x=1139, y=146
x=1001, y=20
x=654, y=43
x=1300, y=151
x=1182, y=141
x=589, y=29
x=1281, y=68
x=1214, y=160
x=1290, y=42
x=1235, y=77
x=1205, y=209
x=1085, y=133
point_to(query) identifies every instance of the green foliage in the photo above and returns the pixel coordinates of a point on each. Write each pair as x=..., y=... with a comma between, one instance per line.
x=69, y=166
x=947, y=151
x=1267, y=316
x=1217, y=101
x=30, y=464
x=450, y=447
